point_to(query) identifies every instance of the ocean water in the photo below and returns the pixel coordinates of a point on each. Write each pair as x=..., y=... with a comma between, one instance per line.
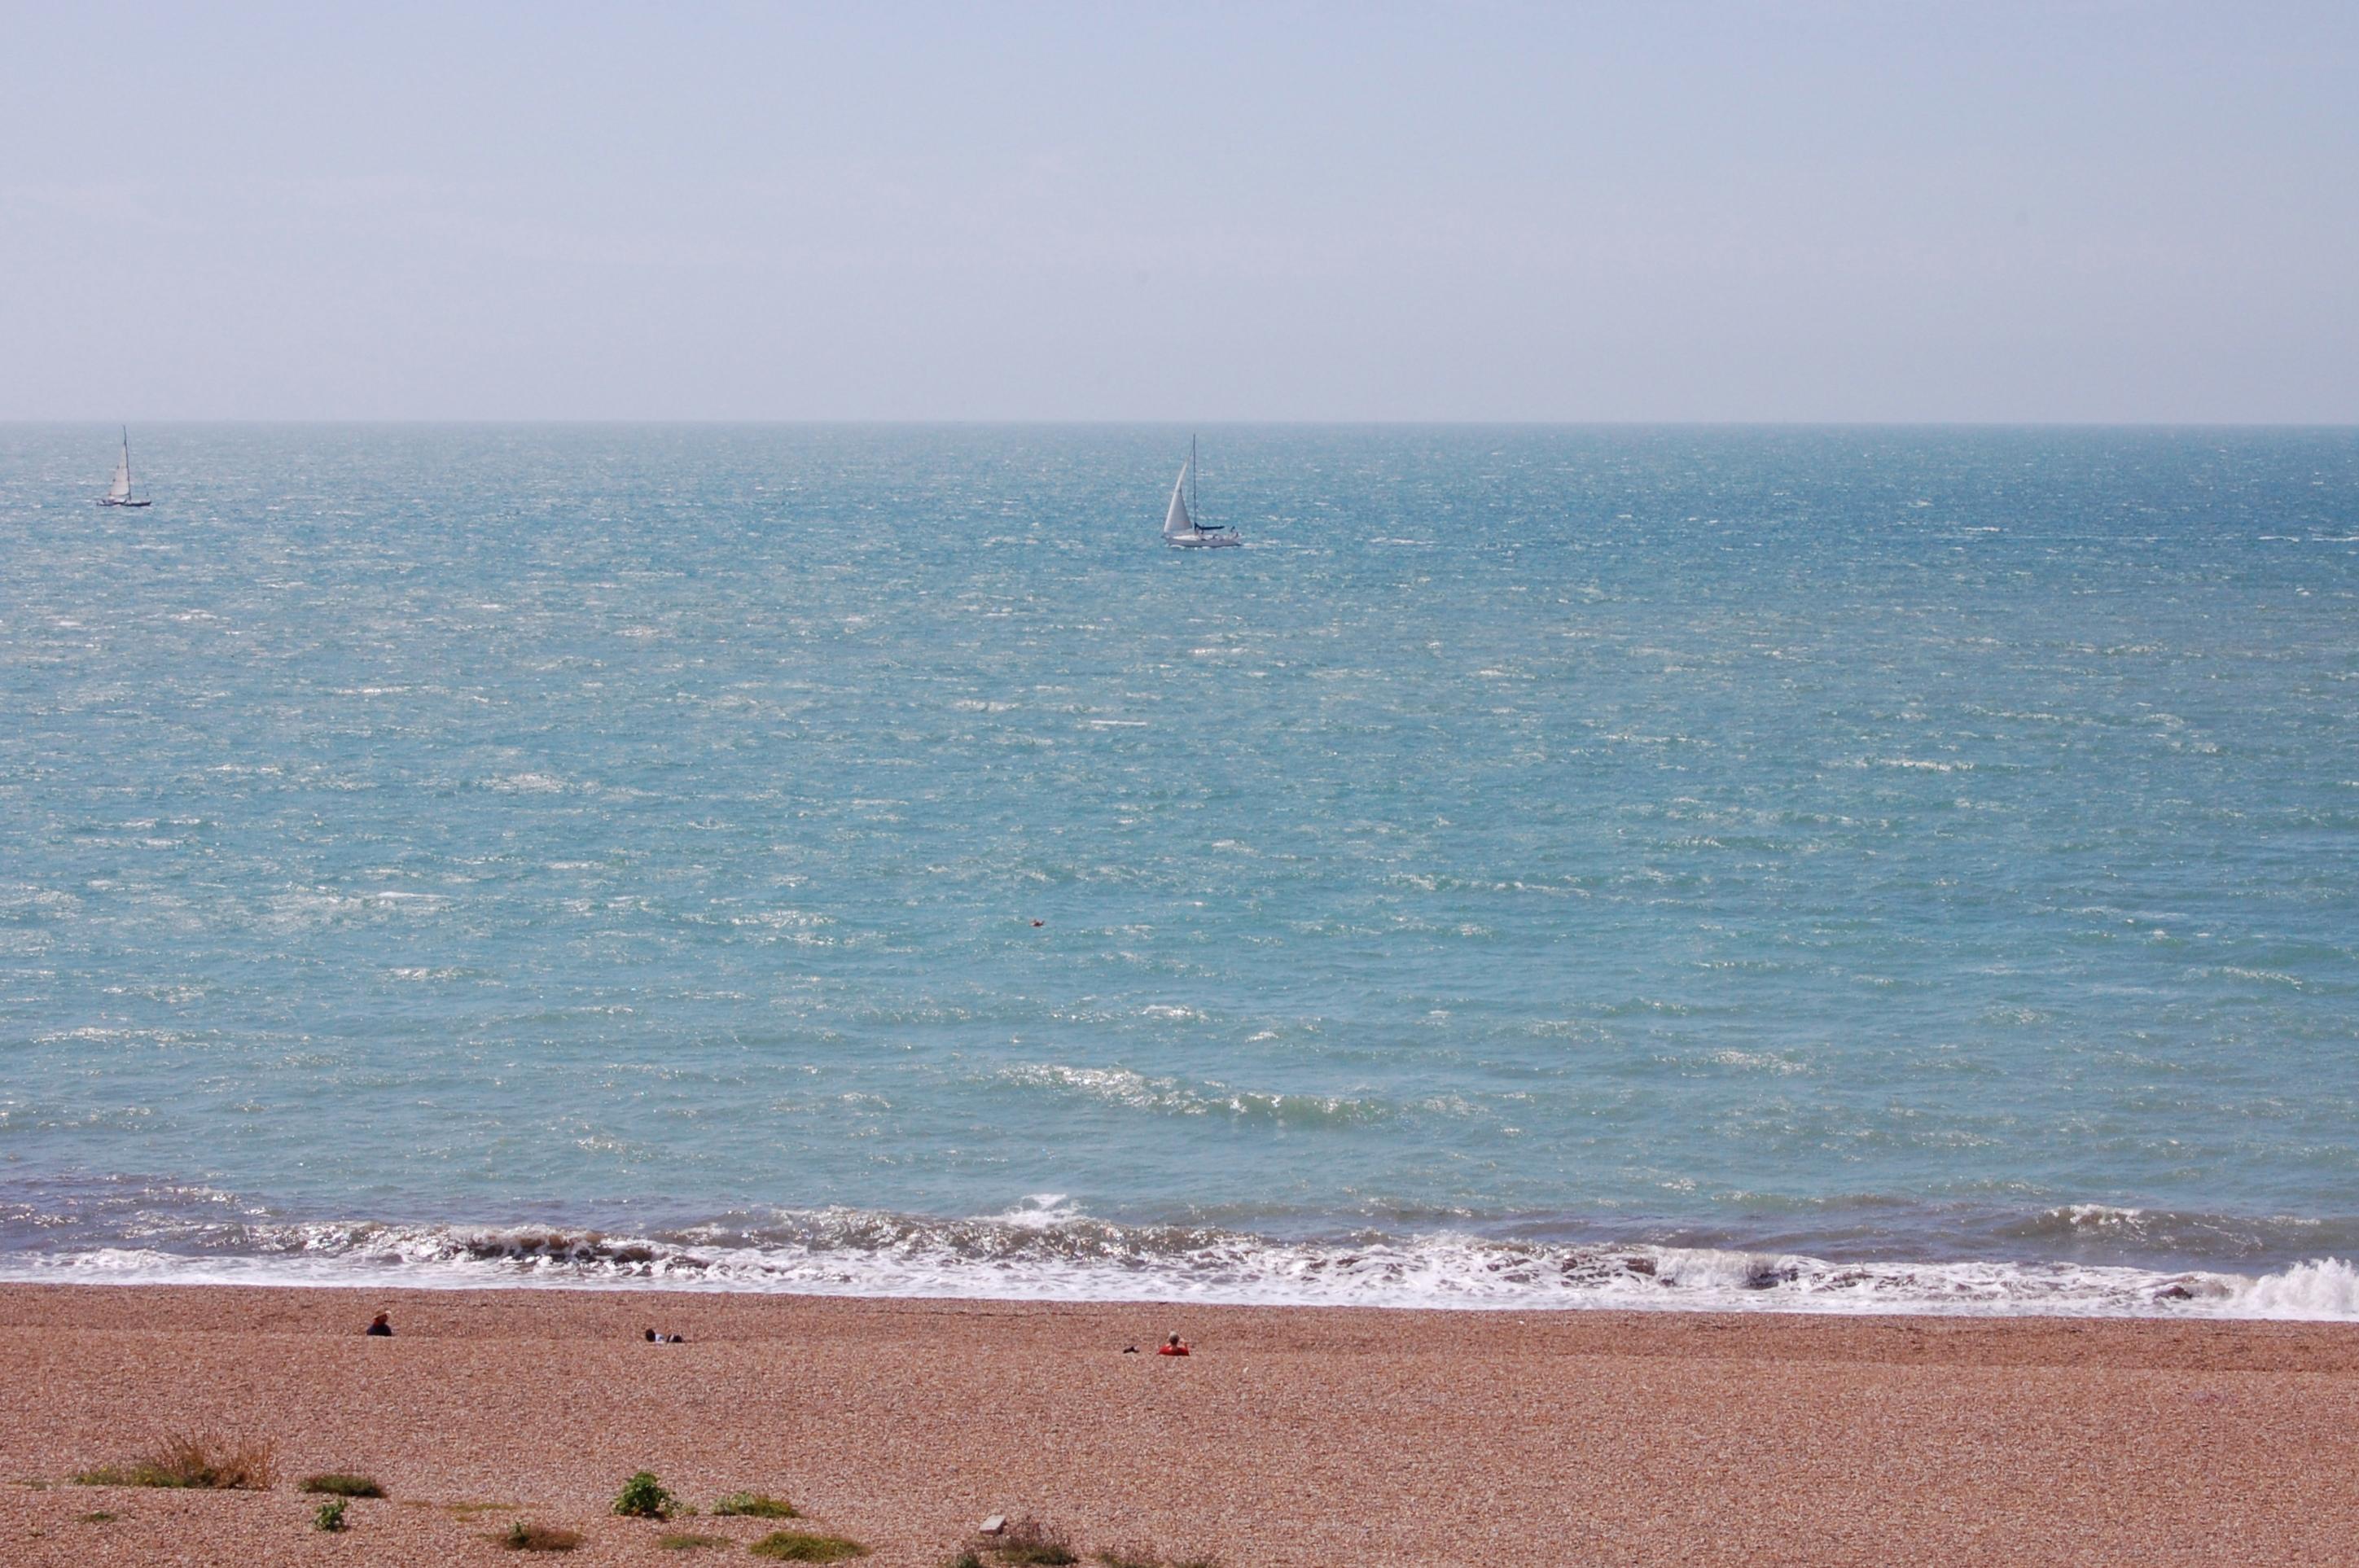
x=1847, y=868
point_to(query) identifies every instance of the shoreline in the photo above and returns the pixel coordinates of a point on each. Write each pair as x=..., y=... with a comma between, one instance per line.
x=1294, y=1435
x=1440, y=1273
x=1045, y=1251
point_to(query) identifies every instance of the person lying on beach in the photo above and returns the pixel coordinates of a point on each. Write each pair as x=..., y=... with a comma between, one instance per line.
x=1175, y=1345
x=379, y=1328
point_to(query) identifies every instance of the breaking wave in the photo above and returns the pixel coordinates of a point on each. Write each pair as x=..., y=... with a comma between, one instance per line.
x=1044, y=1250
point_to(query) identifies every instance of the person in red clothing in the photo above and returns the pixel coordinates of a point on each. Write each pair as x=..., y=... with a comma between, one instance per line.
x=1175, y=1345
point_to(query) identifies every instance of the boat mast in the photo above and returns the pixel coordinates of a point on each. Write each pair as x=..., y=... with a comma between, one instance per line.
x=126, y=456
x=1195, y=480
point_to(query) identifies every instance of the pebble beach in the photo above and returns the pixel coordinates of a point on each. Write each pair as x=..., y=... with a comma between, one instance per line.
x=1290, y=1436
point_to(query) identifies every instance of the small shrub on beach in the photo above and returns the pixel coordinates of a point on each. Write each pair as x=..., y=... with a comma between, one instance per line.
x=755, y=1505
x=115, y=1476
x=330, y=1515
x=523, y=1537
x=794, y=1546
x=1030, y=1543
x=247, y=1465
x=336, y=1483
x=95, y=1518
x=1147, y=1557
x=643, y=1496
x=689, y=1542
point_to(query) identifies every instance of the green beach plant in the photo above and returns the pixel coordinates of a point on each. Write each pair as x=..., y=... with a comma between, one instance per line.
x=329, y=1516
x=643, y=1496
x=754, y=1505
x=338, y=1484
x=796, y=1546
x=683, y=1542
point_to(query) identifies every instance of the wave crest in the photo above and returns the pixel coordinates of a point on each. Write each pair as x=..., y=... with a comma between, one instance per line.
x=1044, y=1250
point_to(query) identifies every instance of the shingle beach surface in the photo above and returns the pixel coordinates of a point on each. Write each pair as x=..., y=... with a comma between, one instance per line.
x=1293, y=1436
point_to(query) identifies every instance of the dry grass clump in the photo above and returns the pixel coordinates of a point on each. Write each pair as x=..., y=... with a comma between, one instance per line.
x=245, y=1465
x=755, y=1505
x=689, y=1542
x=796, y=1546
x=337, y=1484
x=1029, y=1542
x=523, y=1537
x=1032, y=1543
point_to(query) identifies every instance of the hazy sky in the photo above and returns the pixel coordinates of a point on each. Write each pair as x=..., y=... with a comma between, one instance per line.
x=1774, y=212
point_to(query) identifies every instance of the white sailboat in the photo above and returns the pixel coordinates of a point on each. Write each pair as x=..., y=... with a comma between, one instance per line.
x=119, y=493
x=1180, y=529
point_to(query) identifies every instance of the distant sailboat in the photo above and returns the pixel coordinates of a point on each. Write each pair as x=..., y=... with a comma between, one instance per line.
x=1180, y=529
x=119, y=493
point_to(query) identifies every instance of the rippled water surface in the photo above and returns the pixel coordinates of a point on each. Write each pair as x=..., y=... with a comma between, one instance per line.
x=1917, y=864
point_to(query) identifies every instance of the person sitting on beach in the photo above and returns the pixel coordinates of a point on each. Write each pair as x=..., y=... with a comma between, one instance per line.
x=379, y=1328
x=1175, y=1345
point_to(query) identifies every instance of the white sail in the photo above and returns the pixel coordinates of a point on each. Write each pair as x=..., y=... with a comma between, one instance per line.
x=120, y=489
x=1176, y=521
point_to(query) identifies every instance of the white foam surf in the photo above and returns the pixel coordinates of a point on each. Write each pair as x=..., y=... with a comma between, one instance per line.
x=1045, y=1251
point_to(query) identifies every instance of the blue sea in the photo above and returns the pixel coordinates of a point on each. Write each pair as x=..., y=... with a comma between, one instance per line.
x=1847, y=868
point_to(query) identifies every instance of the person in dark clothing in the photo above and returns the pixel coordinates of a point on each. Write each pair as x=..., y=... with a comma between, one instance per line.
x=379, y=1328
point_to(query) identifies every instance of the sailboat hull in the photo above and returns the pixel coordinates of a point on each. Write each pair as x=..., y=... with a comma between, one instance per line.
x=111, y=500
x=1203, y=541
